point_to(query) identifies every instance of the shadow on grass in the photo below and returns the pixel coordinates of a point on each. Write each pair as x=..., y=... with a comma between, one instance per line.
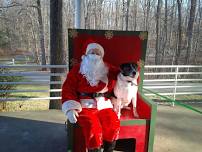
x=23, y=135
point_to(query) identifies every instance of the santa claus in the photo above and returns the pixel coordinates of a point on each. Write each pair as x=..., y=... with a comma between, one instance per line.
x=86, y=99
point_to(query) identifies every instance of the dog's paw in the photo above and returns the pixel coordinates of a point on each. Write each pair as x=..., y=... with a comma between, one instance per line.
x=119, y=115
x=136, y=115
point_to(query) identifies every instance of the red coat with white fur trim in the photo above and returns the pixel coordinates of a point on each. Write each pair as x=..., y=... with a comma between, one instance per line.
x=76, y=83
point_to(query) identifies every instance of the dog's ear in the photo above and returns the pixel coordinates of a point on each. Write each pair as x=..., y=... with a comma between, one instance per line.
x=121, y=68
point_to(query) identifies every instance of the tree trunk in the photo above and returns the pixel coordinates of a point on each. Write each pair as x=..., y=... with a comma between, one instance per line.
x=135, y=15
x=147, y=17
x=190, y=31
x=41, y=33
x=56, y=48
x=198, y=36
x=164, y=33
x=127, y=13
x=116, y=15
x=87, y=16
x=123, y=14
x=158, y=14
x=178, y=51
x=98, y=13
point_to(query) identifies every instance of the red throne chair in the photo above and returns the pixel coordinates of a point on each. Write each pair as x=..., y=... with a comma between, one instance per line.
x=120, y=47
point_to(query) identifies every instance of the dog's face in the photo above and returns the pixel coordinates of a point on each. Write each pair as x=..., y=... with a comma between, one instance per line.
x=129, y=69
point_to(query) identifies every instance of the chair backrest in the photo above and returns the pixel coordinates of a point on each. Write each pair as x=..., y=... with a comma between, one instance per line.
x=120, y=46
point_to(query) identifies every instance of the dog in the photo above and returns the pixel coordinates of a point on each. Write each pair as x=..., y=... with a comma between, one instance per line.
x=126, y=88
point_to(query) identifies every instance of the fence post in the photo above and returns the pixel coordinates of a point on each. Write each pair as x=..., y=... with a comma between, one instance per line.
x=175, y=88
x=13, y=61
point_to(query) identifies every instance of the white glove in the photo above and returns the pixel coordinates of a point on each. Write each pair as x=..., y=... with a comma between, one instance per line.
x=72, y=116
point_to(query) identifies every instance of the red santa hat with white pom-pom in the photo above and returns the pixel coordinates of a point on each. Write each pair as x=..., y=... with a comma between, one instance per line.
x=91, y=46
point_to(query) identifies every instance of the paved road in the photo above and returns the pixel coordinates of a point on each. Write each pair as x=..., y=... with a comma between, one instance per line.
x=177, y=129
x=41, y=131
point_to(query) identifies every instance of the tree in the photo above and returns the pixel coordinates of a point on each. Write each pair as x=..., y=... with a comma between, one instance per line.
x=23, y=7
x=197, y=44
x=178, y=51
x=190, y=31
x=127, y=13
x=179, y=28
x=158, y=23
x=41, y=33
x=56, y=47
x=165, y=33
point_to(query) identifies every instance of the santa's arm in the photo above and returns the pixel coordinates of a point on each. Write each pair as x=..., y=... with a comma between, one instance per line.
x=70, y=99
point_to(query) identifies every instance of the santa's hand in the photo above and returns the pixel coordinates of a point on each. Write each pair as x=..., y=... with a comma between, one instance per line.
x=72, y=116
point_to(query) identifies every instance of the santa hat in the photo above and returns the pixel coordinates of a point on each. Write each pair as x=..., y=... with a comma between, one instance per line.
x=95, y=46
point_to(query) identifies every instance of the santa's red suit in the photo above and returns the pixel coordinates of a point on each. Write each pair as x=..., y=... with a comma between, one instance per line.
x=96, y=117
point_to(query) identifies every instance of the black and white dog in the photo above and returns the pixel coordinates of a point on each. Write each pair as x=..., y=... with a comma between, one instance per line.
x=126, y=88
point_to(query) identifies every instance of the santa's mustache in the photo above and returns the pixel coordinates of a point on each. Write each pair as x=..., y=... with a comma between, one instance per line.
x=93, y=69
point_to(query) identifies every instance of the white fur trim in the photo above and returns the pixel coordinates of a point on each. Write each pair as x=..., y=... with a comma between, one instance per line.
x=71, y=104
x=95, y=46
x=102, y=103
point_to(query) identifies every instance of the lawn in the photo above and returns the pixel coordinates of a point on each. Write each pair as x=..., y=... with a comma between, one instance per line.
x=30, y=94
x=22, y=105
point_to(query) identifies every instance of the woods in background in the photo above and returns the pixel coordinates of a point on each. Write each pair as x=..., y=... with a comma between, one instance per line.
x=175, y=35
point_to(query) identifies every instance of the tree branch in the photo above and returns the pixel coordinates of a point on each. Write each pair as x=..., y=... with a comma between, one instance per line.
x=15, y=4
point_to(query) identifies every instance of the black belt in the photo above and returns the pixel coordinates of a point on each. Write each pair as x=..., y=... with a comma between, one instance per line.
x=94, y=95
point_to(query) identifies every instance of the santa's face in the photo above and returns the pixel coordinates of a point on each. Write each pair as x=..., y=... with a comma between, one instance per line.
x=93, y=68
x=95, y=51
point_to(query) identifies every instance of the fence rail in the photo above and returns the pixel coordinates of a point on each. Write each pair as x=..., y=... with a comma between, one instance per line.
x=180, y=79
x=163, y=79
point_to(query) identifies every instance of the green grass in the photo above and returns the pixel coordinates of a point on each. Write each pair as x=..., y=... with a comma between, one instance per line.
x=27, y=105
x=31, y=94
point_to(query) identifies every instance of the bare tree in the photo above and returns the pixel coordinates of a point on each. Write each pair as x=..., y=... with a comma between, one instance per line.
x=147, y=16
x=178, y=51
x=190, y=30
x=165, y=32
x=158, y=15
x=135, y=11
x=174, y=29
x=41, y=33
x=197, y=44
x=56, y=46
x=127, y=13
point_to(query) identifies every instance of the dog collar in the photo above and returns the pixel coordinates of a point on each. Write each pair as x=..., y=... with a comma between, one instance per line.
x=132, y=83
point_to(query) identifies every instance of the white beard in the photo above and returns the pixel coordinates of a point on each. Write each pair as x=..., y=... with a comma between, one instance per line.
x=94, y=69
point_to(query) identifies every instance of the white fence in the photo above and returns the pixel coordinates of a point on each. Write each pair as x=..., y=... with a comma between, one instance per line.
x=163, y=79
x=177, y=80
x=13, y=61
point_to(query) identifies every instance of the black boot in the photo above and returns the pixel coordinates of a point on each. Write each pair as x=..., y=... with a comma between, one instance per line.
x=109, y=146
x=94, y=150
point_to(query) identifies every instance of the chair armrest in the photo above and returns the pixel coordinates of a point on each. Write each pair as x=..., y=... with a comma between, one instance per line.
x=145, y=106
x=148, y=104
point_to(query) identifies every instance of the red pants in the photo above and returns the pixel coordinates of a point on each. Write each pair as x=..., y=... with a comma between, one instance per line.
x=98, y=126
